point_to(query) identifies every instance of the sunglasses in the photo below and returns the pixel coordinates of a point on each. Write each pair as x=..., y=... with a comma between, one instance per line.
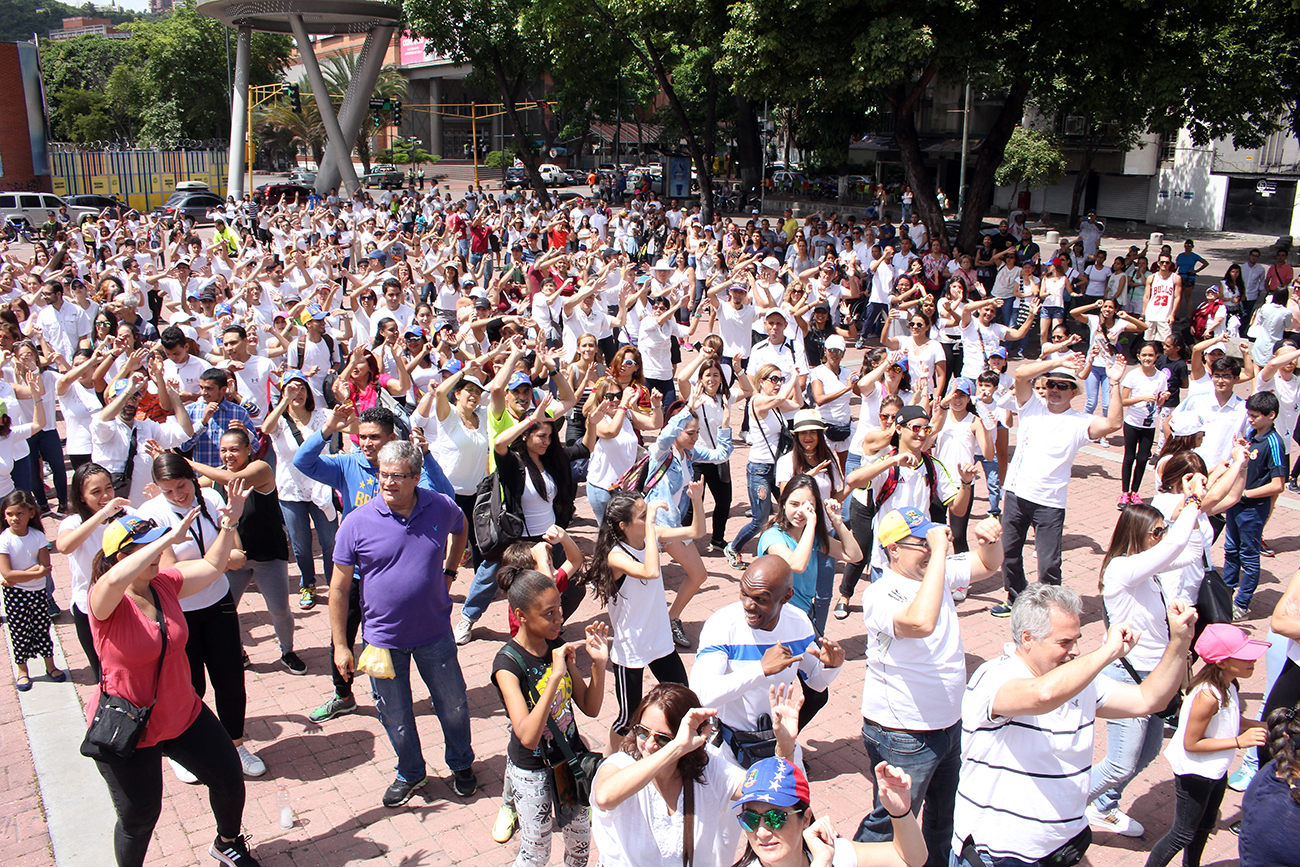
x=922, y=429
x=661, y=740
x=1057, y=385
x=917, y=324
x=631, y=362
x=774, y=378
x=774, y=819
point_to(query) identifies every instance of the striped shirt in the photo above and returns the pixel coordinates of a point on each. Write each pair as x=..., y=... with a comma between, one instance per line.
x=1024, y=780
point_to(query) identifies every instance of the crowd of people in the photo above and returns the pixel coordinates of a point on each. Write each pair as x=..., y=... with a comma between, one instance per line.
x=422, y=387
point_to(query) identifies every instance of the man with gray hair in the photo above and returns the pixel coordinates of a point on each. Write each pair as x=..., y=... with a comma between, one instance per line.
x=1028, y=720
x=397, y=545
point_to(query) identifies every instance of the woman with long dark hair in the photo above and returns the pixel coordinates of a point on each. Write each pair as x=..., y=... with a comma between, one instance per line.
x=137, y=581
x=1142, y=547
x=79, y=538
x=624, y=572
x=212, y=624
x=1270, y=823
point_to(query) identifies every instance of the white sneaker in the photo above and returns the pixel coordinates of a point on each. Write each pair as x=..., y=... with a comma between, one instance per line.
x=462, y=631
x=1116, y=821
x=959, y=594
x=182, y=773
x=253, y=766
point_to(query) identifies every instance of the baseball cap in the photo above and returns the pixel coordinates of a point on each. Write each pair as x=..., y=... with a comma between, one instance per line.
x=807, y=419
x=835, y=342
x=472, y=380
x=911, y=412
x=451, y=367
x=190, y=333
x=1186, y=424
x=178, y=317
x=291, y=376
x=517, y=379
x=377, y=254
x=127, y=530
x=999, y=352
x=771, y=262
x=774, y=781
x=312, y=312
x=964, y=384
x=480, y=300
x=415, y=332
x=662, y=265
x=1220, y=641
x=224, y=309
x=120, y=386
x=898, y=524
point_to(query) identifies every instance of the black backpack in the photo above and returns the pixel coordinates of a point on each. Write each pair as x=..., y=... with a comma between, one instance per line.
x=498, y=517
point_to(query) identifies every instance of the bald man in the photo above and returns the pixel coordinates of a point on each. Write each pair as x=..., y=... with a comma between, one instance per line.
x=758, y=642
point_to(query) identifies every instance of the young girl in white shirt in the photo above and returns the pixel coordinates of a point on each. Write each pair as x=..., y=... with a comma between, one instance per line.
x=24, y=565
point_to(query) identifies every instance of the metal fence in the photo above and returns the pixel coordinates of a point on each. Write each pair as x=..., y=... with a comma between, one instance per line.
x=144, y=179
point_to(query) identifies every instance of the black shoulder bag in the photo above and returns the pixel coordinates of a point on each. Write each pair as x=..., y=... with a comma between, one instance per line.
x=122, y=480
x=118, y=724
x=580, y=763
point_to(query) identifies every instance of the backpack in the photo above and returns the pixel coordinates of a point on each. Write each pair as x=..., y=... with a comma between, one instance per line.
x=639, y=479
x=498, y=517
x=890, y=483
x=1201, y=318
x=302, y=350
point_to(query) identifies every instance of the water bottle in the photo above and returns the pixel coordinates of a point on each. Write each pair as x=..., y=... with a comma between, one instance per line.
x=286, y=810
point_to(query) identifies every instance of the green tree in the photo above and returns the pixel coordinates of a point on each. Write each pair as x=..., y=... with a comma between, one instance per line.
x=1033, y=158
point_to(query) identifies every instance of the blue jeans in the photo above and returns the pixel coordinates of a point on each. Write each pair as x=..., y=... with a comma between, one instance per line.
x=761, y=479
x=44, y=444
x=994, y=483
x=598, y=498
x=298, y=520
x=933, y=760
x=1131, y=745
x=440, y=671
x=1095, y=383
x=825, y=589
x=482, y=590
x=851, y=463
x=475, y=258
x=1241, y=540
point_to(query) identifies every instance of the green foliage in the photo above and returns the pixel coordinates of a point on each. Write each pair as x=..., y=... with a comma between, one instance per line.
x=404, y=152
x=1034, y=158
x=19, y=19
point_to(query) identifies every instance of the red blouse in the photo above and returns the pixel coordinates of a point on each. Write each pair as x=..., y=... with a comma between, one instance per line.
x=128, y=644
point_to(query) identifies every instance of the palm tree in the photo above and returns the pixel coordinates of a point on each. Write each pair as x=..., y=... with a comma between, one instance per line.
x=280, y=123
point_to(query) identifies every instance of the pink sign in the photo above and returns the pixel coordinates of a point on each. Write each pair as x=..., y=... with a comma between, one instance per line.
x=411, y=50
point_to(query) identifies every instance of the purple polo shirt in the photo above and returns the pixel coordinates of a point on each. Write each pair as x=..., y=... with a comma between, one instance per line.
x=399, y=561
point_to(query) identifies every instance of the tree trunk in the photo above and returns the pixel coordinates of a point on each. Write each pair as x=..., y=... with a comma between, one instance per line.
x=1081, y=181
x=902, y=99
x=655, y=58
x=522, y=138
x=979, y=194
x=749, y=146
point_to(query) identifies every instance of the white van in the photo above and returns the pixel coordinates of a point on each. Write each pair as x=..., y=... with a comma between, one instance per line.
x=37, y=207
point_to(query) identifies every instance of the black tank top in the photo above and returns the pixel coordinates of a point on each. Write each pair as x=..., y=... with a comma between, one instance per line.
x=261, y=528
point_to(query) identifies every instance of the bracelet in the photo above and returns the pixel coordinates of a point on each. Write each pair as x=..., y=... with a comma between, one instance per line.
x=904, y=816
x=225, y=526
x=1192, y=498
x=450, y=573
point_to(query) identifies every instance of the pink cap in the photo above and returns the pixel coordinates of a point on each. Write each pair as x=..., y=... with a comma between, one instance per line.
x=1220, y=641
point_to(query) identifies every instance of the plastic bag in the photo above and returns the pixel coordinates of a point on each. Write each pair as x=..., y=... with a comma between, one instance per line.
x=376, y=662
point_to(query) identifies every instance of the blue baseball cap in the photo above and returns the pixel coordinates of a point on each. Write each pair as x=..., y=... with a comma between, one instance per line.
x=120, y=386
x=415, y=332
x=999, y=352
x=224, y=309
x=964, y=384
x=774, y=781
x=517, y=379
x=291, y=376
x=451, y=367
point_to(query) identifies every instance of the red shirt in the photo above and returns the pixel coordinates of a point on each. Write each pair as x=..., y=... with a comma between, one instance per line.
x=478, y=239
x=128, y=644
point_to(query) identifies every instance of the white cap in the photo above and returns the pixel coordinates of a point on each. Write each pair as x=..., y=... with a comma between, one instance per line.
x=178, y=317
x=190, y=333
x=771, y=262
x=835, y=342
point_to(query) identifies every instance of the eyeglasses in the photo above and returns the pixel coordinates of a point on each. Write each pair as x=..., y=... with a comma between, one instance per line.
x=774, y=819
x=920, y=546
x=660, y=739
x=395, y=477
x=921, y=429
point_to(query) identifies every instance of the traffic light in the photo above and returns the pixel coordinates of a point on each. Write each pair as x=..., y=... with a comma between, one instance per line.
x=397, y=114
x=295, y=100
x=379, y=119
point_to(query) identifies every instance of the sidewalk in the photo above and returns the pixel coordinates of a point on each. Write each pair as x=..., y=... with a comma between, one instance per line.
x=335, y=773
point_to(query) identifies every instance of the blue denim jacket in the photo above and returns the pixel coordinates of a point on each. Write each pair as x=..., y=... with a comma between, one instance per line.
x=680, y=469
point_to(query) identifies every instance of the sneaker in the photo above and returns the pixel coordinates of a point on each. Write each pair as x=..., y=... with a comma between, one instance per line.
x=1235, y=827
x=55, y=610
x=841, y=611
x=1104, y=443
x=1116, y=821
x=861, y=344
x=462, y=631
x=679, y=634
x=182, y=773
x=1002, y=609
x=1239, y=613
x=1135, y=499
x=401, y=791
x=248, y=663
x=733, y=559
x=1292, y=486
x=1241, y=777
x=233, y=853
x=307, y=598
x=504, y=827
x=293, y=662
x=959, y=594
x=1266, y=550
x=464, y=782
x=1121, y=502
x=253, y=766
x=336, y=706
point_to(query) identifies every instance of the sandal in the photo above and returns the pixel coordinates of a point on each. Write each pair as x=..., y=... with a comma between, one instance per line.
x=23, y=683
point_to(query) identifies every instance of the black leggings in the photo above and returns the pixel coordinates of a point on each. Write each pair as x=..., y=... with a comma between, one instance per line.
x=136, y=785
x=1285, y=693
x=717, y=478
x=860, y=523
x=1137, y=451
x=1196, y=813
x=81, y=620
x=214, y=645
x=343, y=683
x=627, y=685
x=813, y=701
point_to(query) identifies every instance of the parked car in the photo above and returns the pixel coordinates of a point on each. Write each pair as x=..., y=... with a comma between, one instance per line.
x=191, y=204
x=269, y=194
x=96, y=203
x=302, y=176
x=384, y=177
x=35, y=208
x=516, y=177
x=553, y=175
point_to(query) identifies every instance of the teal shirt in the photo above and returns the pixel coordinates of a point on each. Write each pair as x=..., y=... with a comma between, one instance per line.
x=805, y=582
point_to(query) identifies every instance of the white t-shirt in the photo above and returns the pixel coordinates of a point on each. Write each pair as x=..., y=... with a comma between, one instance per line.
x=1143, y=415
x=613, y=457
x=539, y=511
x=1024, y=780
x=930, y=354
x=641, y=832
x=79, y=405
x=911, y=489
x=1184, y=581
x=638, y=614
x=837, y=411
x=167, y=515
x=461, y=452
x=1226, y=723
x=1288, y=398
x=977, y=343
x=81, y=560
x=655, y=343
x=290, y=484
x=24, y=552
x=188, y=373
x=915, y=684
x=734, y=327
x=1046, y=445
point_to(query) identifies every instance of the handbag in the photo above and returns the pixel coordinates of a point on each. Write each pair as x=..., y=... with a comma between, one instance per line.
x=1069, y=854
x=574, y=767
x=1214, y=600
x=750, y=747
x=118, y=724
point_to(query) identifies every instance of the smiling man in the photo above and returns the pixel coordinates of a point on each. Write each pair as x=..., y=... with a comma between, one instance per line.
x=755, y=643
